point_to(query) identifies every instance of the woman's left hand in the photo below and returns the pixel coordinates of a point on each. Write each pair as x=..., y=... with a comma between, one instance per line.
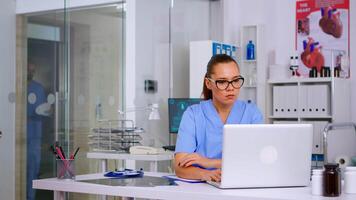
x=194, y=158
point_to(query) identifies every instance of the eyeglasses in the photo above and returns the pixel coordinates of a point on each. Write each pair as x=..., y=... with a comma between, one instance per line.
x=224, y=84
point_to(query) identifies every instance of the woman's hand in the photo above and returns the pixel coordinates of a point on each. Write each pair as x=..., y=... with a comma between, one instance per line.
x=211, y=175
x=183, y=167
x=194, y=158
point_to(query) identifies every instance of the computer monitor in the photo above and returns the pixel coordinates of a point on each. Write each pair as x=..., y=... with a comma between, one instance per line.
x=176, y=108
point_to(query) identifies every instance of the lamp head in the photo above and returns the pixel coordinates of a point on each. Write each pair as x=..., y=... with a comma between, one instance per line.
x=153, y=108
x=154, y=114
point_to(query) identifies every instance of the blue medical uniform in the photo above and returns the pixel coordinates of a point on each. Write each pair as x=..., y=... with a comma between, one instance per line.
x=34, y=135
x=201, y=127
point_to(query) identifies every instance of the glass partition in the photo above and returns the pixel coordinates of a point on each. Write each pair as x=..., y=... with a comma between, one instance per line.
x=74, y=61
x=164, y=30
x=75, y=58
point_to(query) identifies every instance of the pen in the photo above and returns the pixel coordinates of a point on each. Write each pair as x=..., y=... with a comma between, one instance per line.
x=75, y=153
x=59, y=153
x=64, y=156
x=54, y=152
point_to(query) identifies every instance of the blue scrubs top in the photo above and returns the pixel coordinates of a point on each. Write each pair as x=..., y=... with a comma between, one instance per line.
x=200, y=130
x=37, y=89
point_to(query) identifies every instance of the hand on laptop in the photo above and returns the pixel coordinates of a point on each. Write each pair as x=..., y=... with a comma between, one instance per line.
x=211, y=175
x=194, y=166
x=196, y=159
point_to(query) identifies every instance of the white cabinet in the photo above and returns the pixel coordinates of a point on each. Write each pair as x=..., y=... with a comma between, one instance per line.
x=309, y=100
x=254, y=71
x=200, y=53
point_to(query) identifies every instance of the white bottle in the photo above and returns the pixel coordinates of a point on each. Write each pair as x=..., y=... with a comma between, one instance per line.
x=350, y=180
x=345, y=66
x=317, y=182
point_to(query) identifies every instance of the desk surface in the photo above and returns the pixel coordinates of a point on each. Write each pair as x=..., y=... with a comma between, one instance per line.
x=181, y=192
x=126, y=156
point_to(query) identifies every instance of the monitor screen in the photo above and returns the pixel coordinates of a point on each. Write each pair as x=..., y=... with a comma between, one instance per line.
x=176, y=108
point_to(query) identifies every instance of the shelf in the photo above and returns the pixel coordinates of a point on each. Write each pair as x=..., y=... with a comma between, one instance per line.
x=304, y=80
x=300, y=80
x=249, y=61
x=282, y=117
x=317, y=117
x=330, y=93
x=300, y=117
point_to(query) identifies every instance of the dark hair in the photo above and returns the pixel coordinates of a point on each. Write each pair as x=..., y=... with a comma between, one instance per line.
x=214, y=60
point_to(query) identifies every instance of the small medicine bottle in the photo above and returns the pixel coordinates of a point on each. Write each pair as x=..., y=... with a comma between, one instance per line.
x=332, y=180
x=350, y=180
x=317, y=182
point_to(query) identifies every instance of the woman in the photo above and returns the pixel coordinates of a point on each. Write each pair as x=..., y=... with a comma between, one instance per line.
x=199, y=143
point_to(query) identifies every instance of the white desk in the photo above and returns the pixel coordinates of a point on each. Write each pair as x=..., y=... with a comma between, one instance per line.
x=130, y=159
x=182, y=191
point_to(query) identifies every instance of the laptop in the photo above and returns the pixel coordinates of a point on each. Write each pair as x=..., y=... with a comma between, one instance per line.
x=266, y=155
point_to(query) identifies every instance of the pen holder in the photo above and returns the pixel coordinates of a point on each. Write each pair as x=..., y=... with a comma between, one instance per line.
x=65, y=169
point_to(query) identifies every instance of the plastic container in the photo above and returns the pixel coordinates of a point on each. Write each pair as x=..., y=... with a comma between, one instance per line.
x=332, y=180
x=65, y=169
x=317, y=182
x=313, y=72
x=325, y=71
x=336, y=72
x=350, y=180
x=250, y=51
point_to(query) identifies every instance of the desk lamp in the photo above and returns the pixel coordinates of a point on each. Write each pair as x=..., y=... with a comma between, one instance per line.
x=153, y=108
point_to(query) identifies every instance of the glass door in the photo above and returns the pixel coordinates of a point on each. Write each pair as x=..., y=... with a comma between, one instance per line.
x=74, y=65
x=46, y=97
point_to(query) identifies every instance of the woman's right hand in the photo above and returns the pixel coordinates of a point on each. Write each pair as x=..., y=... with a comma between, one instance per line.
x=211, y=175
x=195, y=159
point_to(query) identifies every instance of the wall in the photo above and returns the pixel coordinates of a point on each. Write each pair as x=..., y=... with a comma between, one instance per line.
x=151, y=63
x=7, y=93
x=280, y=34
x=353, y=57
x=152, y=37
x=184, y=30
x=279, y=30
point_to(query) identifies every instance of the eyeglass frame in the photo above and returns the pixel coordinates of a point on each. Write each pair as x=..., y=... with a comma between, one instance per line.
x=229, y=82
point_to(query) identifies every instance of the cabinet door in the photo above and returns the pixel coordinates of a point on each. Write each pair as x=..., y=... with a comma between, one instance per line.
x=285, y=101
x=303, y=101
x=318, y=100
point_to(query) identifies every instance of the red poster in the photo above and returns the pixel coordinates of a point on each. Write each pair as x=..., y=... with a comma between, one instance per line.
x=322, y=36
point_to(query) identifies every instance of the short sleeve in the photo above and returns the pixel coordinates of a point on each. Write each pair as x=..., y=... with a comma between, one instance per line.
x=186, y=139
x=257, y=117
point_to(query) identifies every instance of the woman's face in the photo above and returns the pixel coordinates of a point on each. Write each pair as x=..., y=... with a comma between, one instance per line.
x=228, y=72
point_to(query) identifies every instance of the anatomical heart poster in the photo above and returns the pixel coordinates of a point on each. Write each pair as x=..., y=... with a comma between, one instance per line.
x=322, y=37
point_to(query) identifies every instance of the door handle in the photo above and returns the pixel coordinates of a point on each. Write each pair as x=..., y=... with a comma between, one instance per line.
x=0, y=134
x=56, y=117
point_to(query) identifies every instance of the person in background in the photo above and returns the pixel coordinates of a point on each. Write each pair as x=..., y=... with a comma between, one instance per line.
x=198, y=150
x=37, y=108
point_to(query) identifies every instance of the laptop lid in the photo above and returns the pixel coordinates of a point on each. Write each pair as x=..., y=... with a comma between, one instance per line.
x=266, y=155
